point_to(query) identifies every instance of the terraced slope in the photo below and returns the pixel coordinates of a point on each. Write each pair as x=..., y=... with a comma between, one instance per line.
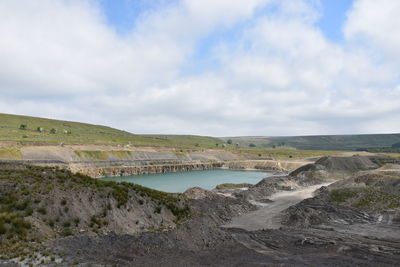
x=320, y=142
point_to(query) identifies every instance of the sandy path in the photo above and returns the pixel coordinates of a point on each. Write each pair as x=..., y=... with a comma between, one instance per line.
x=267, y=217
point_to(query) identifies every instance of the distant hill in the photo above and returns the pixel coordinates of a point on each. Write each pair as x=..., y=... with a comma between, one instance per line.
x=26, y=129
x=320, y=142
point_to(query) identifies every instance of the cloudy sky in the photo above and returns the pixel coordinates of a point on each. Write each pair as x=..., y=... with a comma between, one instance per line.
x=207, y=67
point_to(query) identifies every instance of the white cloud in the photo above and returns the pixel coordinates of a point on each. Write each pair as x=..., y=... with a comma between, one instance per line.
x=377, y=24
x=281, y=76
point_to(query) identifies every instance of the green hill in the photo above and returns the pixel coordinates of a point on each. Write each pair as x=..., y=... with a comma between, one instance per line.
x=26, y=130
x=320, y=142
x=34, y=130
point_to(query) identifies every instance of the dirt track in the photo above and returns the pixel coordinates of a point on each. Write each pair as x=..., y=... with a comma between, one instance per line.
x=267, y=217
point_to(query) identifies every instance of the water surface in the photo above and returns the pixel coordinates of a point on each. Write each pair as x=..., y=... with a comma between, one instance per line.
x=181, y=181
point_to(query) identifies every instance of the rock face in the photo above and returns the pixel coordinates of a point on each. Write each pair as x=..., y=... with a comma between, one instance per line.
x=100, y=161
x=97, y=172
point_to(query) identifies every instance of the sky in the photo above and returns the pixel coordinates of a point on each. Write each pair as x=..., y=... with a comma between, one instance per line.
x=209, y=67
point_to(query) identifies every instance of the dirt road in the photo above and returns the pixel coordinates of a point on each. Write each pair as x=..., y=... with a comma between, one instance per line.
x=268, y=216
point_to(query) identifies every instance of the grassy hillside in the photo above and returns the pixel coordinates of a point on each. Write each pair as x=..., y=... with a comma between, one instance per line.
x=321, y=142
x=33, y=130
x=197, y=141
x=27, y=129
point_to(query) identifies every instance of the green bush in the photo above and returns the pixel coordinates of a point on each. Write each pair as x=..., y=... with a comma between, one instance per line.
x=157, y=209
x=28, y=211
x=3, y=228
x=51, y=223
x=374, y=199
x=341, y=195
x=67, y=232
x=42, y=210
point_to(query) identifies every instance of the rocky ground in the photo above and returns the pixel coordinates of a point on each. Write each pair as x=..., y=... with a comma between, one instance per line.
x=353, y=219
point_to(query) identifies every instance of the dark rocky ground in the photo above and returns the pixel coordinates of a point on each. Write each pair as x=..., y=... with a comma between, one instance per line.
x=352, y=222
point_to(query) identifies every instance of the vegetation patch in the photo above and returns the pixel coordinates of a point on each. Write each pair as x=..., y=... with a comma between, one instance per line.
x=369, y=198
x=341, y=195
x=375, y=199
x=171, y=201
x=14, y=228
x=29, y=192
x=92, y=155
x=10, y=153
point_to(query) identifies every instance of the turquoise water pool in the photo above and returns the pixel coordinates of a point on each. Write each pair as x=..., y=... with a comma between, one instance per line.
x=180, y=181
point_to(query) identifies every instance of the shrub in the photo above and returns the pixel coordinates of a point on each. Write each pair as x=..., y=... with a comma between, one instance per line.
x=120, y=193
x=22, y=205
x=3, y=229
x=67, y=232
x=42, y=210
x=51, y=223
x=94, y=221
x=157, y=209
x=341, y=195
x=28, y=211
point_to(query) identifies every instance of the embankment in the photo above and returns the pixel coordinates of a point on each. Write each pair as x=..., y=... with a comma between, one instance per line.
x=99, y=161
